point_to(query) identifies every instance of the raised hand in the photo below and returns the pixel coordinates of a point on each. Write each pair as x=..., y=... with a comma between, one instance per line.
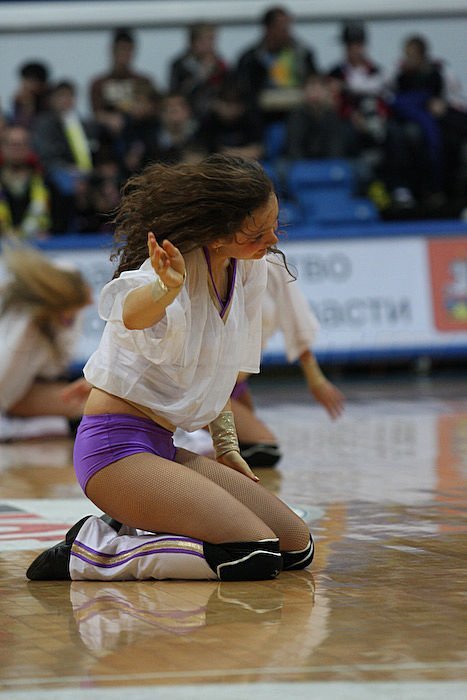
x=167, y=262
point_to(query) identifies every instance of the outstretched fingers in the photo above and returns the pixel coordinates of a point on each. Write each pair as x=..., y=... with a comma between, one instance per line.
x=167, y=261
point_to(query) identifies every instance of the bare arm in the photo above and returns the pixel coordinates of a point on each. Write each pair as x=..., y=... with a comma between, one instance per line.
x=145, y=306
x=322, y=389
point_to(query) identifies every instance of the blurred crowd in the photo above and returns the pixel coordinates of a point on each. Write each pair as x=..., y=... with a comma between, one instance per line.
x=404, y=130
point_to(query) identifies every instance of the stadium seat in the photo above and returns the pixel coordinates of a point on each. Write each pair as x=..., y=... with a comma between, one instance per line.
x=329, y=173
x=271, y=171
x=338, y=210
x=310, y=197
x=274, y=140
x=290, y=213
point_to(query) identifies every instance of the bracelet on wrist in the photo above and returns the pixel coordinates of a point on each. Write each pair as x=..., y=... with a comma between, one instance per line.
x=224, y=434
x=160, y=289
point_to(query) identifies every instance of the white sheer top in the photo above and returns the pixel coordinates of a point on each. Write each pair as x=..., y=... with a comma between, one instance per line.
x=184, y=367
x=286, y=309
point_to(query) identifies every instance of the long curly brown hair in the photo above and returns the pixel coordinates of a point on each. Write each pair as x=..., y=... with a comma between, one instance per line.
x=187, y=204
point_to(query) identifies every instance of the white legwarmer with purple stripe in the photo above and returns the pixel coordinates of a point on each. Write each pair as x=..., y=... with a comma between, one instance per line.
x=100, y=554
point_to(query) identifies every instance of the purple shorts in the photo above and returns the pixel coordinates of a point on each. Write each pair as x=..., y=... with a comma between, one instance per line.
x=103, y=439
x=239, y=389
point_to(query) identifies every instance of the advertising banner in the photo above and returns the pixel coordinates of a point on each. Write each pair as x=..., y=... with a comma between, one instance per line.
x=386, y=297
x=383, y=297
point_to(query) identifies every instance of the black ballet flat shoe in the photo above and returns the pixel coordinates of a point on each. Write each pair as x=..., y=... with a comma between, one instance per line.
x=260, y=454
x=53, y=564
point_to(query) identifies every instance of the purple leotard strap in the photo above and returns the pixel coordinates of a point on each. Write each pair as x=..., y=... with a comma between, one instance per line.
x=223, y=304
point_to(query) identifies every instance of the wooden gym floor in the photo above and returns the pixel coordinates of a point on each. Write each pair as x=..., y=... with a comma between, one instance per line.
x=382, y=612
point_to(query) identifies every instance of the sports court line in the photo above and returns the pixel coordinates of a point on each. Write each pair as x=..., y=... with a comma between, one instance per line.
x=262, y=671
x=451, y=690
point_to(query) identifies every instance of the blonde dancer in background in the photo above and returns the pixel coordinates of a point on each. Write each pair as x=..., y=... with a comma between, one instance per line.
x=40, y=306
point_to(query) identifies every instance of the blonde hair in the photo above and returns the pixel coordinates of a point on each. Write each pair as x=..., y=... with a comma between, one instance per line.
x=40, y=287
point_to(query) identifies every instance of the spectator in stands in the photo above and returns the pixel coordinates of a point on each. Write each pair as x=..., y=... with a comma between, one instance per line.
x=139, y=136
x=3, y=121
x=454, y=126
x=39, y=308
x=177, y=135
x=315, y=128
x=65, y=144
x=24, y=197
x=31, y=96
x=96, y=206
x=272, y=71
x=113, y=95
x=360, y=85
x=231, y=126
x=418, y=104
x=200, y=71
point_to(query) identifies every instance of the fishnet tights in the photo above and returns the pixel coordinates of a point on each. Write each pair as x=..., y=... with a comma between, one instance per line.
x=194, y=496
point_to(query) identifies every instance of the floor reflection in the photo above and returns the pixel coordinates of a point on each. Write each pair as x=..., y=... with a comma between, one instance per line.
x=211, y=626
x=384, y=491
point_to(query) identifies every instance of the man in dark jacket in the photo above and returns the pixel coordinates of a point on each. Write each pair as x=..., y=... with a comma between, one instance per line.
x=272, y=72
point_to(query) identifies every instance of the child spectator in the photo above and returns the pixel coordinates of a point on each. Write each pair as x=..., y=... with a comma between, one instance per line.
x=177, y=133
x=315, y=129
x=231, y=126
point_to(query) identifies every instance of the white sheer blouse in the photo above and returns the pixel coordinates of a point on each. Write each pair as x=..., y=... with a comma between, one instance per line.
x=184, y=367
x=286, y=309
